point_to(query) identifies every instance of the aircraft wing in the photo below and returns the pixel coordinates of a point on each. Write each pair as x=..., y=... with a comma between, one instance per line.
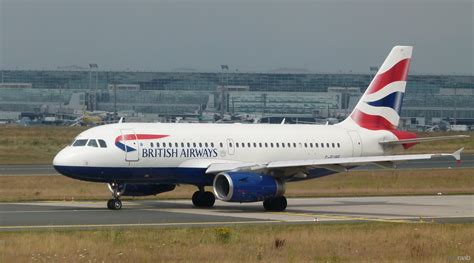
x=333, y=164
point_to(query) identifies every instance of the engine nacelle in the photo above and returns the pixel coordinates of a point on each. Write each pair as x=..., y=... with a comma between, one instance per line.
x=247, y=187
x=142, y=189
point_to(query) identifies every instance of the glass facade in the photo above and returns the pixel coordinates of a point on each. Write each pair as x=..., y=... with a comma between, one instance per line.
x=174, y=93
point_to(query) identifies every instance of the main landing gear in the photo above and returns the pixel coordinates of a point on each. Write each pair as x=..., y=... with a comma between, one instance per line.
x=276, y=204
x=115, y=203
x=203, y=199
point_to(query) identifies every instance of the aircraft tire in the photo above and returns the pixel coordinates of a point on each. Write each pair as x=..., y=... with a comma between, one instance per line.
x=208, y=199
x=109, y=204
x=203, y=199
x=276, y=204
x=117, y=204
x=197, y=198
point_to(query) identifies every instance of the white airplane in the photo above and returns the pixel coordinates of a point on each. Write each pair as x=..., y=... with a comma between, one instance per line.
x=247, y=162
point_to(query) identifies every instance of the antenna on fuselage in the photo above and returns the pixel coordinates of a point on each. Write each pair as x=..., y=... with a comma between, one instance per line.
x=283, y=121
x=121, y=120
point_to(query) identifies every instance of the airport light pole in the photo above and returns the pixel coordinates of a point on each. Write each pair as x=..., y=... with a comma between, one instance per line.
x=92, y=94
x=223, y=87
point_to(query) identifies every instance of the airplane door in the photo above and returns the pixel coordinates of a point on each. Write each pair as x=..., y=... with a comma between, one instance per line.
x=132, y=148
x=230, y=146
x=356, y=143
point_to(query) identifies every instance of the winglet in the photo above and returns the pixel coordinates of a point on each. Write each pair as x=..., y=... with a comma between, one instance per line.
x=457, y=155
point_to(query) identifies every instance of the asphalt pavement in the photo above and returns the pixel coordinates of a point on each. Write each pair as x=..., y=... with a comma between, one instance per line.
x=399, y=209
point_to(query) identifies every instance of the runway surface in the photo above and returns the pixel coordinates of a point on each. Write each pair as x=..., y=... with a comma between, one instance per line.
x=441, y=163
x=404, y=209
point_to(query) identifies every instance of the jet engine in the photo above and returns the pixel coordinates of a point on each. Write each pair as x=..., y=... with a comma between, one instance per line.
x=247, y=187
x=142, y=189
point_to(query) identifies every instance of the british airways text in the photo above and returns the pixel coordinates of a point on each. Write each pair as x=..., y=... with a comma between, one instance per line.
x=181, y=153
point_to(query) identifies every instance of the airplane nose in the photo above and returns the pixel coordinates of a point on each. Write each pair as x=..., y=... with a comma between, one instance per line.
x=58, y=159
x=63, y=158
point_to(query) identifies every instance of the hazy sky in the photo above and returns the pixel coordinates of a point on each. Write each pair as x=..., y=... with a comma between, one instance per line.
x=258, y=35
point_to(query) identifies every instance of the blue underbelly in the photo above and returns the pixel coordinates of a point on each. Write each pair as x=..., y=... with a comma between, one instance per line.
x=173, y=175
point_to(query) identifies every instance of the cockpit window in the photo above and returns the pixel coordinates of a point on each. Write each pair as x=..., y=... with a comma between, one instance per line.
x=92, y=143
x=79, y=143
x=102, y=144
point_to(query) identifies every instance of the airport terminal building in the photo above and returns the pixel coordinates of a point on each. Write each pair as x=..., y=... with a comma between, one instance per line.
x=208, y=96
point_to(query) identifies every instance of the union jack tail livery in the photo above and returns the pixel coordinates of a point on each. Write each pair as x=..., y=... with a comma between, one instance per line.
x=380, y=106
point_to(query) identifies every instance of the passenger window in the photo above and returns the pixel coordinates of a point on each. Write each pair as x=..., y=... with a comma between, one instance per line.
x=212, y=144
x=237, y=144
x=157, y=144
x=248, y=144
x=221, y=145
x=289, y=145
x=176, y=144
x=338, y=145
x=277, y=145
x=283, y=145
x=266, y=145
x=255, y=145
x=205, y=144
x=294, y=145
x=333, y=145
x=182, y=145
x=79, y=143
x=102, y=144
x=200, y=144
x=260, y=144
x=189, y=145
x=194, y=144
x=170, y=144
x=230, y=144
x=92, y=143
x=322, y=145
x=311, y=145
x=327, y=145
x=151, y=144
x=305, y=145
x=316, y=145
x=243, y=145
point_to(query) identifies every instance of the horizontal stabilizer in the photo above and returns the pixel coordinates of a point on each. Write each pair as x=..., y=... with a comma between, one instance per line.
x=425, y=139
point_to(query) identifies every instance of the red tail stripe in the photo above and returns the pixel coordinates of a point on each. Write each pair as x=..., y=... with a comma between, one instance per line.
x=398, y=72
x=376, y=123
x=402, y=135
x=371, y=122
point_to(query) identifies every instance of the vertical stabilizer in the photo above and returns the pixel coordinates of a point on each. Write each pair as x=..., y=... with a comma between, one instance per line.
x=380, y=106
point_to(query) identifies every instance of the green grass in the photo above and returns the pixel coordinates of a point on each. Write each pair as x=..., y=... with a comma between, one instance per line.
x=359, y=242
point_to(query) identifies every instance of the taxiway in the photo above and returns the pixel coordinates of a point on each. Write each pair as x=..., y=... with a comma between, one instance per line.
x=403, y=209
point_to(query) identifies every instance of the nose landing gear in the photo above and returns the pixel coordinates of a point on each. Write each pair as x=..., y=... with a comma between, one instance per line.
x=115, y=203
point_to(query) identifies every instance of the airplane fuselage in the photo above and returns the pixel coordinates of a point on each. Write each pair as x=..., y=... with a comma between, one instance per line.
x=177, y=153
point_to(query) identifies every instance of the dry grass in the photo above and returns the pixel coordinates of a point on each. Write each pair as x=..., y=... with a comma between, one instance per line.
x=444, y=146
x=39, y=144
x=366, y=242
x=33, y=145
x=396, y=182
